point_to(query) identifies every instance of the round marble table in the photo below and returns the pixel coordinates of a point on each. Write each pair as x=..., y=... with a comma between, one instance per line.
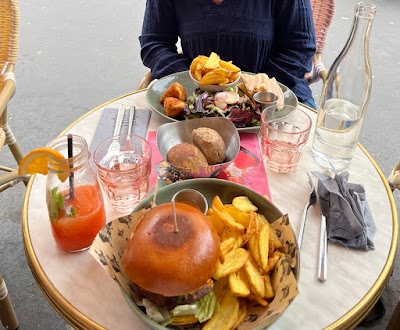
x=86, y=297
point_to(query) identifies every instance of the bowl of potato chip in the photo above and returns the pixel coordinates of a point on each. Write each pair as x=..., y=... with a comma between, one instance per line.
x=259, y=264
x=212, y=74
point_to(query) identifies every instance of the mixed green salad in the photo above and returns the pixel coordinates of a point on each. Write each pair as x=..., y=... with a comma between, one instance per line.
x=232, y=104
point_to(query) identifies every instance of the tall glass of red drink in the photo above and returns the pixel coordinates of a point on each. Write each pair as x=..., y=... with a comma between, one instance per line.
x=74, y=199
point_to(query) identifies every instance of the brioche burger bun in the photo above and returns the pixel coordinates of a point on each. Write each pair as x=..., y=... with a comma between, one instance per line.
x=173, y=269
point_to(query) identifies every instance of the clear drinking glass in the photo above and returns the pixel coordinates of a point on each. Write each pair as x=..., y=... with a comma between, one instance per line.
x=283, y=137
x=345, y=96
x=73, y=195
x=124, y=173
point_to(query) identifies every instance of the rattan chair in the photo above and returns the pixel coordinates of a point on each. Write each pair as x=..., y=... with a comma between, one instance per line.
x=145, y=82
x=323, y=11
x=9, y=28
x=394, y=178
x=394, y=183
x=7, y=313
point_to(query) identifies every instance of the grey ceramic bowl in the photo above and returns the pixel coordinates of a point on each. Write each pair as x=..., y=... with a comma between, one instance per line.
x=171, y=134
x=226, y=190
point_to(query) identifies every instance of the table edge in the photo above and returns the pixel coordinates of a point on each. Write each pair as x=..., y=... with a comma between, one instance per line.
x=77, y=319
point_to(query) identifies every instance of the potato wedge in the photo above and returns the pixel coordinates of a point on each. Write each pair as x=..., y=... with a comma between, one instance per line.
x=217, y=204
x=239, y=283
x=244, y=204
x=233, y=76
x=256, y=280
x=226, y=246
x=226, y=81
x=197, y=63
x=242, y=313
x=212, y=61
x=217, y=223
x=213, y=78
x=269, y=292
x=229, y=232
x=234, y=260
x=254, y=248
x=198, y=74
x=223, y=72
x=277, y=242
x=239, y=241
x=229, y=66
x=258, y=299
x=273, y=260
x=226, y=317
x=229, y=220
x=239, y=216
x=263, y=246
x=258, y=223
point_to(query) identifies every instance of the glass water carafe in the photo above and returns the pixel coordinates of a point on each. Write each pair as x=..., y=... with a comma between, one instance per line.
x=345, y=96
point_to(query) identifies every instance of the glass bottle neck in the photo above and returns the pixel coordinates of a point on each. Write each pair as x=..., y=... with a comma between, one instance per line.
x=361, y=29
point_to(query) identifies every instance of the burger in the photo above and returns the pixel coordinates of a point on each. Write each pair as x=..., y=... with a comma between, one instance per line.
x=171, y=263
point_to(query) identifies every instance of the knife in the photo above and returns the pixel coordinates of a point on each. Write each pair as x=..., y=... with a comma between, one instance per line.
x=323, y=241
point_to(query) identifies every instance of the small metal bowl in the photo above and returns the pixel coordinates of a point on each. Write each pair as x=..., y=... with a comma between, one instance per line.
x=265, y=99
x=192, y=197
x=174, y=133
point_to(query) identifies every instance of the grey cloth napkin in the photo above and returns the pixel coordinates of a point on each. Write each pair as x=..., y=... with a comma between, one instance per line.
x=105, y=128
x=344, y=204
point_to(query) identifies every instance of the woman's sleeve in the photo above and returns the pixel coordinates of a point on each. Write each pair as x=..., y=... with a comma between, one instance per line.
x=295, y=39
x=159, y=38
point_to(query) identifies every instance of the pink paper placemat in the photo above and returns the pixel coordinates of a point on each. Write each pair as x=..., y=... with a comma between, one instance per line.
x=247, y=168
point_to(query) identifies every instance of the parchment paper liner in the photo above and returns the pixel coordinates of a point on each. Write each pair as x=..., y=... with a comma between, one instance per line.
x=110, y=243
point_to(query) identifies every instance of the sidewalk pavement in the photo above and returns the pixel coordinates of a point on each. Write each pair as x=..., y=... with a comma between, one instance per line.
x=75, y=55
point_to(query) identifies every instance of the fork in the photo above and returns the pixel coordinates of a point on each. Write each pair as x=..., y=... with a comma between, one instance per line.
x=128, y=149
x=128, y=143
x=311, y=201
x=115, y=146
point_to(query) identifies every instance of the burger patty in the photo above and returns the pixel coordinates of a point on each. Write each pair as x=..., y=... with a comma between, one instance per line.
x=171, y=302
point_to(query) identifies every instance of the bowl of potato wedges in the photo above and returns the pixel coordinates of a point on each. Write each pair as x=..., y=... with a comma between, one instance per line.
x=259, y=263
x=212, y=74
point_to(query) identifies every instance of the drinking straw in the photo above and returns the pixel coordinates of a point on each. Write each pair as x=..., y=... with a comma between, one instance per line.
x=71, y=174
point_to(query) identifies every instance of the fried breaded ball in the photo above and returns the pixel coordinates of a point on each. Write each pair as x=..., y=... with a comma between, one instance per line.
x=186, y=155
x=175, y=90
x=174, y=107
x=211, y=144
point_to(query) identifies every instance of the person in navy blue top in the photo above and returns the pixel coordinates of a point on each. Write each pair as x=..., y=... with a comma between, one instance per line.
x=276, y=37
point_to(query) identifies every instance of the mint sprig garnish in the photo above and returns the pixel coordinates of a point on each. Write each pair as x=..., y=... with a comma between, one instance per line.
x=56, y=203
